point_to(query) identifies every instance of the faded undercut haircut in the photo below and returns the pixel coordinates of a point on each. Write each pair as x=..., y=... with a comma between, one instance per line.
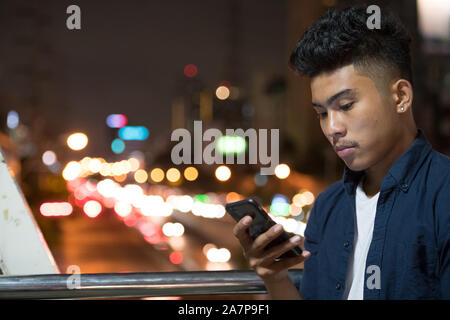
x=342, y=37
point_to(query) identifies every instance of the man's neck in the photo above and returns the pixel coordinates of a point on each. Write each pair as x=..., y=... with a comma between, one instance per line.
x=375, y=174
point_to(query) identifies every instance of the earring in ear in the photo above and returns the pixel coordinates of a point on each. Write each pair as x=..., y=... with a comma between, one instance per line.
x=402, y=108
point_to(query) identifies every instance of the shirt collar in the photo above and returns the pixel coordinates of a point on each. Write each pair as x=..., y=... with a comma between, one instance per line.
x=401, y=173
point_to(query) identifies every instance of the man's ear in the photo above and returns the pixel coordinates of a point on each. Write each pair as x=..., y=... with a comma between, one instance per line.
x=402, y=93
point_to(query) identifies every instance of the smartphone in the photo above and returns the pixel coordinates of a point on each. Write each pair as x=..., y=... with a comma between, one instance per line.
x=260, y=224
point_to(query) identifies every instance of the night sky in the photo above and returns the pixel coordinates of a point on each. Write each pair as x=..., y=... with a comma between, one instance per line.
x=129, y=55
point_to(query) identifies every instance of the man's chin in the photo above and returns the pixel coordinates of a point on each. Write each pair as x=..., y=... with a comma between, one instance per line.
x=355, y=166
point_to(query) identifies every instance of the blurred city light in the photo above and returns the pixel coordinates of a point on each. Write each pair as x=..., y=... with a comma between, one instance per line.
x=223, y=173
x=92, y=208
x=181, y=203
x=133, y=133
x=296, y=211
x=260, y=180
x=122, y=208
x=222, y=93
x=173, y=229
x=141, y=176
x=176, y=257
x=210, y=211
x=95, y=165
x=190, y=173
x=207, y=247
x=77, y=141
x=434, y=19
x=157, y=175
x=49, y=158
x=303, y=199
x=134, y=164
x=173, y=175
x=218, y=255
x=116, y=121
x=190, y=70
x=280, y=205
x=202, y=198
x=120, y=178
x=12, y=119
x=177, y=243
x=282, y=171
x=71, y=171
x=231, y=144
x=56, y=209
x=233, y=197
x=107, y=188
x=117, y=146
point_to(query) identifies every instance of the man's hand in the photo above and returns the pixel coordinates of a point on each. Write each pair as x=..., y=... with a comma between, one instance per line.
x=265, y=262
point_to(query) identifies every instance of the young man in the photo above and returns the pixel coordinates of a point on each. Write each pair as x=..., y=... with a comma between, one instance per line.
x=383, y=231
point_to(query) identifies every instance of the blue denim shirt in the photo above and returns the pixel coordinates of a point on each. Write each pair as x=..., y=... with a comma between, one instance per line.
x=410, y=247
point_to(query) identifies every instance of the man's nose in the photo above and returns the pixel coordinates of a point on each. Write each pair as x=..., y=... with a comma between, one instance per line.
x=336, y=127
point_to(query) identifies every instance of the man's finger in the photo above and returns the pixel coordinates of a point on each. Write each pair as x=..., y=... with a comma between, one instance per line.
x=240, y=231
x=273, y=253
x=267, y=237
x=290, y=262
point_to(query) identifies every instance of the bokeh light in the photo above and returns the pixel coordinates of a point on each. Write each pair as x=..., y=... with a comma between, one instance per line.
x=116, y=121
x=222, y=93
x=122, y=208
x=48, y=158
x=190, y=173
x=12, y=120
x=92, y=208
x=157, y=175
x=77, y=141
x=118, y=146
x=141, y=176
x=282, y=171
x=223, y=173
x=173, y=175
x=71, y=171
x=56, y=209
x=138, y=133
x=231, y=144
x=176, y=257
x=190, y=70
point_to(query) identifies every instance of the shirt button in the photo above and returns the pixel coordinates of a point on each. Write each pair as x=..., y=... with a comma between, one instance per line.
x=338, y=286
x=346, y=244
x=404, y=187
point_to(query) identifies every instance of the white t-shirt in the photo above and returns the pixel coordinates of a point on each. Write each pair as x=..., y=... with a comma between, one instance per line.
x=365, y=217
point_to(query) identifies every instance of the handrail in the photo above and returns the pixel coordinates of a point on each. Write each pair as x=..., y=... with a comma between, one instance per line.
x=133, y=285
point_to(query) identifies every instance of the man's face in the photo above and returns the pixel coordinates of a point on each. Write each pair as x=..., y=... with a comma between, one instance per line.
x=359, y=121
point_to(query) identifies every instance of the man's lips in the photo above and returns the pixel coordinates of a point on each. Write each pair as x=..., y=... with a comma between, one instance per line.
x=339, y=148
x=345, y=150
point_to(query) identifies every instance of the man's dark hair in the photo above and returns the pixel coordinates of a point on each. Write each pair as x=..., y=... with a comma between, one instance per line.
x=341, y=37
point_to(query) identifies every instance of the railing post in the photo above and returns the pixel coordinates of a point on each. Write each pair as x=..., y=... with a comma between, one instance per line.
x=23, y=249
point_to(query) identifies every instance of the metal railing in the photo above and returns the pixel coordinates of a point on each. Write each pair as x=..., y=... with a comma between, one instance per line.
x=134, y=285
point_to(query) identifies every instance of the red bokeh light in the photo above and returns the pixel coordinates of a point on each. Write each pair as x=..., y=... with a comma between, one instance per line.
x=190, y=70
x=176, y=257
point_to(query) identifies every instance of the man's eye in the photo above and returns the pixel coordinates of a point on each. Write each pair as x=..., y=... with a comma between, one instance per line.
x=321, y=115
x=347, y=106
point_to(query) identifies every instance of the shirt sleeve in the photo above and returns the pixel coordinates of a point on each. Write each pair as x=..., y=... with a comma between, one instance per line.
x=308, y=285
x=443, y=214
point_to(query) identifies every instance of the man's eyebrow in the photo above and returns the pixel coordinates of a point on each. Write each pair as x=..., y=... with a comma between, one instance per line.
x=331, y=99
